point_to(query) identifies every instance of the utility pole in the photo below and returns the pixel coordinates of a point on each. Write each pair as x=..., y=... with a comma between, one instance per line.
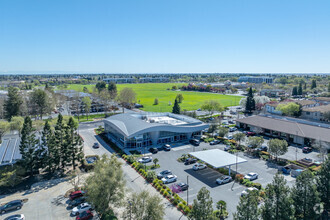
x=130, y=210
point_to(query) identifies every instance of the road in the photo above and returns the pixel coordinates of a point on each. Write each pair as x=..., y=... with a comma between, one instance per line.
x=135, y=182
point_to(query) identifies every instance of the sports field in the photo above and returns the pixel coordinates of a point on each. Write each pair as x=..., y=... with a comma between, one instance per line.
x=147, y=92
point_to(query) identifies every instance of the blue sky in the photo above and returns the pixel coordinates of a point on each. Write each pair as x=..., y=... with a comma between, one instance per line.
x=137, y=36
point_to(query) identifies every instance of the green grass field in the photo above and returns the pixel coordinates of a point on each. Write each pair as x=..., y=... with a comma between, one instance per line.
x=146, y=94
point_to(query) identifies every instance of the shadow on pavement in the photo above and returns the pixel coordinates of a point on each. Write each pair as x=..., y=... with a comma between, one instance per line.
x=207, y=176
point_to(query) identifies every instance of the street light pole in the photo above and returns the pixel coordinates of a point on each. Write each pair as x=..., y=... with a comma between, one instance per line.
x=187, y=190
x=130, y=210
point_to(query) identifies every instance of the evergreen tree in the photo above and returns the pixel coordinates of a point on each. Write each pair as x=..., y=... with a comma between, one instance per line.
x=305, y=196
x=202, y=207
x=13, y=103
x=62, y=157
x=329, y=87
x=300, y=91
x=294, y=91
x=305, y=86
x=277, y=204
x=40, y=101
x=313, y=84
x=250, y=102
x=74, y=144
x=247, y=208
x=28, y=146
x=48, y=140
x=176, y=107
x=323, y=184
x=112, y=89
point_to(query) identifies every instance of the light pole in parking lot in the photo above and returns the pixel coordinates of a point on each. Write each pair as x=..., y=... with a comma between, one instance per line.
x=130, y=210
x=187, y=189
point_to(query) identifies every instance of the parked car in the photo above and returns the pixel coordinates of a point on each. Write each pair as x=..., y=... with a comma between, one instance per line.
x=194, y=142
x=250, y=133
x=15, y=217
x=10, y=206
x=227, y=148
x=215, y=142
x=164, y=173
x=183, y=186
x=190, y=161
x=81, y=208
x=248, y=190
x=251, y=176
x=225, y=123
x=85, y=215
x=76, y=194
x=262, y=148
x=199, y=166
x=232, y=129
x=169, y=179
x=153, y=150
x=223, y=179
x=145, y=160
x=231, y=121
x=230, y=137
x=167, y=147
x=307, y=150
x=76, y=202
x=96, y=145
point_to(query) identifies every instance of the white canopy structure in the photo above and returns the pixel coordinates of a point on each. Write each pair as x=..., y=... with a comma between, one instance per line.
x=218, y=158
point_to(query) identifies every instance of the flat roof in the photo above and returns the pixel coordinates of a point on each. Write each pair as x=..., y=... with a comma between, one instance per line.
x=217, y=158
x=288, y=127
x=9, y=150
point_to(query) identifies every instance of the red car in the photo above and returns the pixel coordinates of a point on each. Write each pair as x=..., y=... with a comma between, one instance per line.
x=85, y=215
x=76, y=194
x=250, y=133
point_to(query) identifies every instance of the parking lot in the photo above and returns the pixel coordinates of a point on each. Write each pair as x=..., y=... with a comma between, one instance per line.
x=229, y=192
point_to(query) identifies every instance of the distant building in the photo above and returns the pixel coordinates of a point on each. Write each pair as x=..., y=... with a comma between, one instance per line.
x=252, y=79
x=271, y=107
x=272, y=93
x=316, y=113
x=139, y=130
x=120, y=80
x=322, y=100
x=9, y=150
x=154, y=80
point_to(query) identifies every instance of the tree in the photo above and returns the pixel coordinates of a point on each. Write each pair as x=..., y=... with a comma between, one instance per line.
x=239, y=137
x=277, y=204
x=323, y=148
x=255, y=142
x=39, y=100
x=12, y=103
x=28, y=146
x=179, y=97
x=74, y=143
x=144, y=206
x=211, y=106
x=250, y=102
x=106, y=185
x=313, y=86
x=223, y=131
x=222, y=206
x=305, y=196
x=300, y=90
x=61, y=156
x=127, y=96
x=112, y=89
x=85, y=89
x=100, y=86
x=290, y=109
x=202, y=207
x=326, y=116
x=155, y=161
x=4, y=127
x=247, y=208
x=87, y=105
x=174, y=87
x=156, y=101
x=48, y=141
x=295, y=91
x=323, y=184
x=329, y=87
x=16, y=124
x=277, y=147
x=176, y=107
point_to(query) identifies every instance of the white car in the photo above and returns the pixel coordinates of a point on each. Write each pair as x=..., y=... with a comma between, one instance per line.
x=230, y=137
x=251, y=176
x=81, y=208
x=145, y=159
x=16, y=217
x=169, y=179
x=223, y=180
x=248, y=190
x=199, y=166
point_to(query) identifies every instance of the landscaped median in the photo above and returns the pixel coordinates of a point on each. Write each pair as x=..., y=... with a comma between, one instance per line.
x=150, y=176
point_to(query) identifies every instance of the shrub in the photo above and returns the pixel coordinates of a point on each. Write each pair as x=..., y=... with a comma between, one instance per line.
x=124, y=156
x=238, y=177
x=257, y=185
x=130, y=159
x=139, y=166
x=262, y=194
x=165, y=194
x=183, y=202
x=175, y=201
x=159, y=187
x=249, y=184
x=151, y=175
x=181, y=206
x=162, y=191
x=186, y=210
x=265, y=157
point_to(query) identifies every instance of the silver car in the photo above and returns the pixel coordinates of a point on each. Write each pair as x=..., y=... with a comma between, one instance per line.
x=223, y=180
